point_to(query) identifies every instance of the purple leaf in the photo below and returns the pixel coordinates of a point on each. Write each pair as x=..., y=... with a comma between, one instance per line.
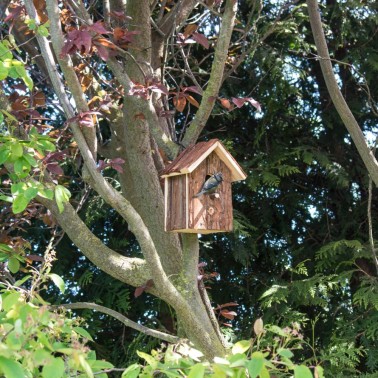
x=239, y=102
x=80, y=40
x=117, y=167
x=254, y=103
x=103, y=52
x=102, y=165
x=159, y=88
x=99, y=28
x=192, y=89
x=118, y=161
x=138, y=291
x=201, y=39
x=54, y=168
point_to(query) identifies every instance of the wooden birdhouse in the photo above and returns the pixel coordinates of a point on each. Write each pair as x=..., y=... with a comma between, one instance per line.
x=184, y=178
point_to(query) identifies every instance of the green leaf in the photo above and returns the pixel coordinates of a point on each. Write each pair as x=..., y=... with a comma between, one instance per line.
x=302, y=371
x=82, y=332
x=16, y=150
x=15, y=341
x=41, y=357
x=62, y=195
x=320, y=371
x=21, y=166
x=277, y=330
x=255, y=365
x=5, y=153
x=18, y=283
x=43, y=31
x=13, y=73
x=4, y=52
x=11, y=369
x=58, y=281
x=100, y=365
x=197, y=371
x=45, y=145
x=84, y=364
x=264, y=373
x=5, y=248
x=31, y=193
x=19, y=203
x=241, y=346
x=3, y=71
x=28, y=81
x=285, y=353
x=13, y=265
x=149, y=359
x=6, y=198
x=30, y=159
x=132, y=371
x=18, y=188
x=46, y=193
x=10, y=300
x=53, y=368
x=20, y=70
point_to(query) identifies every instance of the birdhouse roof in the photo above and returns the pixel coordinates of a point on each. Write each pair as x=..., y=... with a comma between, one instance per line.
x=194, y=155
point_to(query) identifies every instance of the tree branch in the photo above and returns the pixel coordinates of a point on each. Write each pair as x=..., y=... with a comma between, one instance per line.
x=133, y=271
x=123, y=319
x=65, y=64
x=336, y=95
x=216, y=75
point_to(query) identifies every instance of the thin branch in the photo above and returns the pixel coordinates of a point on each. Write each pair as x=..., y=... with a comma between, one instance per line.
x=216, y=75
x=70, y=76
x=123, y=319
x=189, y=70
x=370, y=225
x=336, y=95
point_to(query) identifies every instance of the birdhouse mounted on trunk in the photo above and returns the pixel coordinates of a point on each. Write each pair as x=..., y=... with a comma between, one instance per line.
x=197, y=189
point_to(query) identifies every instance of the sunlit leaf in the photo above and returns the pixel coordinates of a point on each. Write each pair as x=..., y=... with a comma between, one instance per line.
x=83, y=332
x=58, y=281
x=11, y=368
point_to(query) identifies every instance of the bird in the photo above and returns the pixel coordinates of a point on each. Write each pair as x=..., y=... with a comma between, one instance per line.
x=210, y=184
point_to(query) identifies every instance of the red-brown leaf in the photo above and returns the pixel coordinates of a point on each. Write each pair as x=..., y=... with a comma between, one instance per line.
x=179, y=102
x=189, y=30
x=228, y=314
x=239, y=102
x=225, y=103
x=192, y=100
x=201, y=39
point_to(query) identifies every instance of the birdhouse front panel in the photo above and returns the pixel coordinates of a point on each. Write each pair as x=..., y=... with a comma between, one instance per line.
x=210, y=212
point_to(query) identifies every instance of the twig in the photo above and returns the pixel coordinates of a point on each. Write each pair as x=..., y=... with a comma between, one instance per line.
x=370, y=224
x=123, y=319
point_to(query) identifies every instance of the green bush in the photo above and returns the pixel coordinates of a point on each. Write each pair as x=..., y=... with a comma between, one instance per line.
x=37, y=342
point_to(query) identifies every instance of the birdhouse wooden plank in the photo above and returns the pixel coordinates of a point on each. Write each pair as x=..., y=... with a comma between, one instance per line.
x=186, y=208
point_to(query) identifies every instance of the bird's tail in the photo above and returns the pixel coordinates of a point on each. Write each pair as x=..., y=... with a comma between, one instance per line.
x=199, y=194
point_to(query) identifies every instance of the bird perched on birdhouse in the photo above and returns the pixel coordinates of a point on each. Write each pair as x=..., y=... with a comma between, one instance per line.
x=210, y=185
x=197, y=189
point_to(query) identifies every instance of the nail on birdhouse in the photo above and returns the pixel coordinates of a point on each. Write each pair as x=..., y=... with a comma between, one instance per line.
x=197, y=189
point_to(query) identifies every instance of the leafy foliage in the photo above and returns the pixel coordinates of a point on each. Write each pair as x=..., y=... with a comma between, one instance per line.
x=270, y=353
x=37, y=342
